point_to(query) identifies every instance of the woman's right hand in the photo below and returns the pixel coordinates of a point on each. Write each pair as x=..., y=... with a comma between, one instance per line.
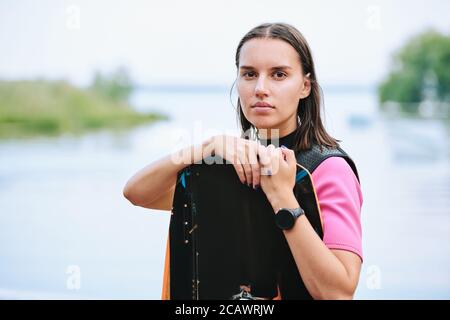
x=243, y=154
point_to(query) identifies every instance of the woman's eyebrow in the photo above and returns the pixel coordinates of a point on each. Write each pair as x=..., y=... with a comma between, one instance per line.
x=273, y=68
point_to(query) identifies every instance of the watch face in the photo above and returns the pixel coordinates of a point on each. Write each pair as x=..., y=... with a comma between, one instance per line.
x=284, y=219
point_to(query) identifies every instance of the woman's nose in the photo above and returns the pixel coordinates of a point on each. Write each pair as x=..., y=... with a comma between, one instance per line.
x=261, y=87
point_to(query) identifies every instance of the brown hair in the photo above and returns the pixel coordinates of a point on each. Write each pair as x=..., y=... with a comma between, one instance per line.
x=311, y=129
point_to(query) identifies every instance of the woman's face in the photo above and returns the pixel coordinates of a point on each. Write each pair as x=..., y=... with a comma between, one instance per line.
x=270, y=72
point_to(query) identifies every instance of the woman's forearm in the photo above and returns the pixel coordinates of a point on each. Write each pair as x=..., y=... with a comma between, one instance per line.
x=149, y=183
x=323, y=274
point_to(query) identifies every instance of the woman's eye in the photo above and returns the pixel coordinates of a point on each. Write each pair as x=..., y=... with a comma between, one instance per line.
x=279, y=75
x=249, y=74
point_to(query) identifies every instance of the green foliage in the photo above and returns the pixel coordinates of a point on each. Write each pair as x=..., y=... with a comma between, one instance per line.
x=116, y=85
x=29, y=108
x=424, y=56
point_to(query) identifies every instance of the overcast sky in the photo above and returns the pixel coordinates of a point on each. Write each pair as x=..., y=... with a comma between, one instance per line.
x=193, y=42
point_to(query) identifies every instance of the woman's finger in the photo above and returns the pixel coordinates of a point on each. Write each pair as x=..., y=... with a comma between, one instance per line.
x=264, y=160
x=240, y=171
x=243, y=159
x=288, y=155
x=253, y=159
x=273, y=154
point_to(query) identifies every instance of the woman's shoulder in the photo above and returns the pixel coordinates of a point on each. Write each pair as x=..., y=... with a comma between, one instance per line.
x=340, y=198
x=338, y=164
x=336, y=171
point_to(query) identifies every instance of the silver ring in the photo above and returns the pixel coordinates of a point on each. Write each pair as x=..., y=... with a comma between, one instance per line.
x=266, y=171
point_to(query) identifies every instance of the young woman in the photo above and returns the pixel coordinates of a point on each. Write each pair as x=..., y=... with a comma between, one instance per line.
x=279, y=97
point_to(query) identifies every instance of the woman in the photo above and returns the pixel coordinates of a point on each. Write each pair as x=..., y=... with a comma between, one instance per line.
x=279, y=97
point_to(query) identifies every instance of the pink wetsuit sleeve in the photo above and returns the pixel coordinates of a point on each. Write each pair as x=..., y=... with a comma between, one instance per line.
x=340, y=199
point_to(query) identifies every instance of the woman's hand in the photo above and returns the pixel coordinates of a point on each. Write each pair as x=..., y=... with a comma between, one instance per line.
x=278, y=169
x=243, y=154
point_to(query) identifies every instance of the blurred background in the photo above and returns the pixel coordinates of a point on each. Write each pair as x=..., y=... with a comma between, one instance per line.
x=92, y=91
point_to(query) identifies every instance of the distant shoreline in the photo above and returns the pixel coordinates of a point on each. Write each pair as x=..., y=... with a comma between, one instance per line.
x=49, y=108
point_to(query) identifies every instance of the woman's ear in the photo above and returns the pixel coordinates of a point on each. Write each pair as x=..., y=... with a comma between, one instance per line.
x=306, y=88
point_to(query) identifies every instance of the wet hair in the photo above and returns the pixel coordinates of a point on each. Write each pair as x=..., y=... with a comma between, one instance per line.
x=311, y=129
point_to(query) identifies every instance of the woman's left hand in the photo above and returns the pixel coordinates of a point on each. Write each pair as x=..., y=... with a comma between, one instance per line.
x=278, y=169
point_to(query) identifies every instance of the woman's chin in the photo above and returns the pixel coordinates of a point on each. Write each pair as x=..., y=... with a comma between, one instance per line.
x=263, y=123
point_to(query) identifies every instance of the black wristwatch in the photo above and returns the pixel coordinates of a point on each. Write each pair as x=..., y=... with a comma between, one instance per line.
x=285, y=218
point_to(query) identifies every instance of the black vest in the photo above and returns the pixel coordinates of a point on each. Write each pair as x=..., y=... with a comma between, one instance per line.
x=222, y=233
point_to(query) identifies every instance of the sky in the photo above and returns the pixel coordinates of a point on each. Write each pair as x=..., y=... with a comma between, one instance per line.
x=193, y=42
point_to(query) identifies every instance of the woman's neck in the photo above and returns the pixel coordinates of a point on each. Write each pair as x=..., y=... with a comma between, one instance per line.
x=288, y=140
x=275, y=133
x=287, y=127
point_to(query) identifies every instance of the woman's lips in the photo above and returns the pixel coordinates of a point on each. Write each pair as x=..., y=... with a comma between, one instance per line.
x=262, y=110
x=262, y=107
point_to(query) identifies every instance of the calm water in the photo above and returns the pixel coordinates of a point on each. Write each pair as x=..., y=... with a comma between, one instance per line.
x=67, y=232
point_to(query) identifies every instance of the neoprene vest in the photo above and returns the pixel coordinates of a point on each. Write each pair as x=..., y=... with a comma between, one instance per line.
x=222, y=233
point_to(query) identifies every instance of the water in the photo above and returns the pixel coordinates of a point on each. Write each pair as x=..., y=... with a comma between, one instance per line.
x=62, y=209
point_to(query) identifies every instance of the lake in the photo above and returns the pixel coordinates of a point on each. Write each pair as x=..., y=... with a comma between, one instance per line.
x=67, y=232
